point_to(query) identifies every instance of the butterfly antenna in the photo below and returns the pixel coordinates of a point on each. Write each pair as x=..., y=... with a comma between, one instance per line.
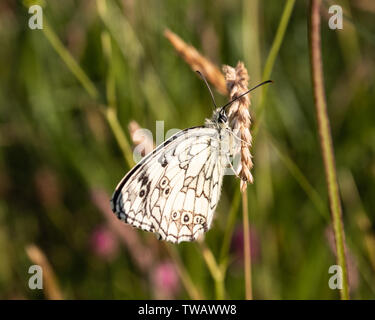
x=209, y=89
x=244, y=94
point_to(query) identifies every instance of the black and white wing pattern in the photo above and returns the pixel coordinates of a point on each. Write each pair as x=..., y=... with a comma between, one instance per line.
x=174, y=190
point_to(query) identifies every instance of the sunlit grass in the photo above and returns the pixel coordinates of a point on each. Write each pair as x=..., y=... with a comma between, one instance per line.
x=69, y=91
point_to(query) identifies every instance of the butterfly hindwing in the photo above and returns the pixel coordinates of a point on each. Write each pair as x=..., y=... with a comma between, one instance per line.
x=186, y=209
x=174, y=190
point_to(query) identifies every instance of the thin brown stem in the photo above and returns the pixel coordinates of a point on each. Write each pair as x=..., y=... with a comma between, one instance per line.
x=326, y=141
x=37, y=256
x=247, y=252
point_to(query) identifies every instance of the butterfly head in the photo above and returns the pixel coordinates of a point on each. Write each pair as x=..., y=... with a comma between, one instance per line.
x=222, y=117
x=219, y=119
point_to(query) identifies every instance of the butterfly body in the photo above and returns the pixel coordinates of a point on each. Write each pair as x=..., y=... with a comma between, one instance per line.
x=174, y=190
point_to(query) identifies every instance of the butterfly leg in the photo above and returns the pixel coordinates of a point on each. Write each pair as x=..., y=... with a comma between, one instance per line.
x=238, y=138
x=231, y=166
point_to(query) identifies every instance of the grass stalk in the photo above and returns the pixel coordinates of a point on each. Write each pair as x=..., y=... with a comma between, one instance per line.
x=112, y=119
x=52, y=288
x=278, y=40
x=184, y=276
x=326, y=141
x=110, y=112
x=271, y=58
x=69, y=60
x=247, y=252
x=215, y=270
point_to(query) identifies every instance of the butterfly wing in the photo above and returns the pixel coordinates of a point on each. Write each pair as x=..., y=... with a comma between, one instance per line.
x=174, y=190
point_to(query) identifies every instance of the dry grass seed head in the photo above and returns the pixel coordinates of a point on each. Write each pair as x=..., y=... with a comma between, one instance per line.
x=237, y=80
x=197, y=61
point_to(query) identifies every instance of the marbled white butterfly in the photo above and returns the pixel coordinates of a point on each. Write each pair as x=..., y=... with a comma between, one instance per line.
x=174, y=190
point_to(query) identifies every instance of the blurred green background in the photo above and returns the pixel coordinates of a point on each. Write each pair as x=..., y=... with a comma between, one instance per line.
x=60, y=160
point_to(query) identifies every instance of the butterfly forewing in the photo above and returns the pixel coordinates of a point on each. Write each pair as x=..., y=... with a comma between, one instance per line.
x=174, y=190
